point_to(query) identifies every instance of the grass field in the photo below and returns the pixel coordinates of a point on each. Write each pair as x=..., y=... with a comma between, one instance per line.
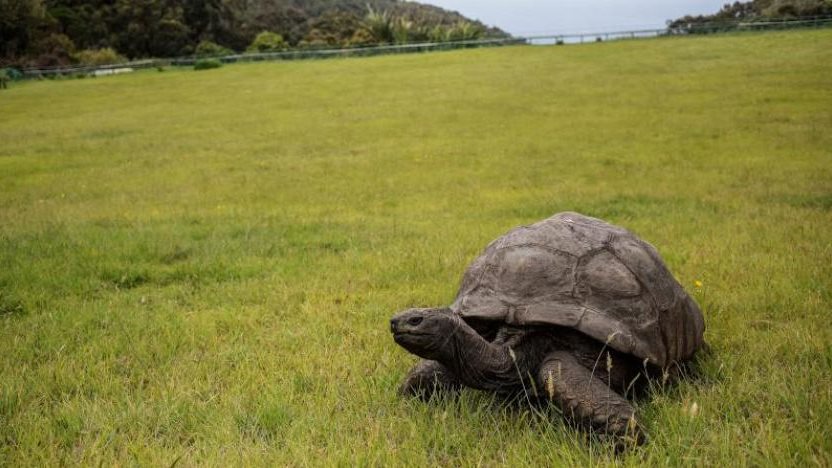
x=199, y=267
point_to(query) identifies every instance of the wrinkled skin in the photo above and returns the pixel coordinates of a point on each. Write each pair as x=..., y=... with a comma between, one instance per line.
x=584, y=378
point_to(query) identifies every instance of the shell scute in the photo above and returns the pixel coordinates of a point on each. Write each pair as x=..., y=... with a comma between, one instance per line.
x=644, y=261
x=603, y=273
x=526, y=272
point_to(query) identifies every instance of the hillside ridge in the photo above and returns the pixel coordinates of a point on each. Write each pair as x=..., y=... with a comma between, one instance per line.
x=53, y=32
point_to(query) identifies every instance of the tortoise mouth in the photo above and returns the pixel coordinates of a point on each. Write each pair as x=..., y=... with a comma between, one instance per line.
x=408, y=332
x=401, y=337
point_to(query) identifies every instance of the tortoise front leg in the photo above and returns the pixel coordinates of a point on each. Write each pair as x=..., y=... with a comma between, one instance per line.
x=587, y=400
x=426, y=378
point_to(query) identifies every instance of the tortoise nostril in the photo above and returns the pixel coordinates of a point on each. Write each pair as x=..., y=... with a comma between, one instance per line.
x=413, y=321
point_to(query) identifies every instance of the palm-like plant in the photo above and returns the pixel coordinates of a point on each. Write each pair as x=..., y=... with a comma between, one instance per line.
x=464, y=31
x=402, y=29
x=380, y=25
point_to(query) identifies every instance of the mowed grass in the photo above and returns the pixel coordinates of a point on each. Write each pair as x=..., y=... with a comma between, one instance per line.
x=199, y=267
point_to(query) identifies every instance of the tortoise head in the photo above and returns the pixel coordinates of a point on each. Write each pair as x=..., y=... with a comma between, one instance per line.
x=424, y=332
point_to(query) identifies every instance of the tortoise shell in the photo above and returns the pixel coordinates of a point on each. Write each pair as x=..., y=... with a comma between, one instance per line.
x=580, y=272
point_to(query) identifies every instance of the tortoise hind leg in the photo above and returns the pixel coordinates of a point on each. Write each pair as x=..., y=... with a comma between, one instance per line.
x=587, y=400
x=427, y=378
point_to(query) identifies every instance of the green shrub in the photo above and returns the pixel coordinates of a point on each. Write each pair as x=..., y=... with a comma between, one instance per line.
x=211, y=49
x=267, y=41
x=207, y=64
x=11, y=73
x=105, y=56
x=53, y=50
x=361, y=37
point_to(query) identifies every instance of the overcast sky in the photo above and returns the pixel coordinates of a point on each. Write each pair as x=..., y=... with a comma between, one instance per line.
x=525, y=17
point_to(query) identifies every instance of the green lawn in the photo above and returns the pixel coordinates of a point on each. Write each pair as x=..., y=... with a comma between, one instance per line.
x=200, y=266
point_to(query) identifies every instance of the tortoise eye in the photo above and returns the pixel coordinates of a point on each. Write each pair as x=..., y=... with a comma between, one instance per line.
x=413, y=321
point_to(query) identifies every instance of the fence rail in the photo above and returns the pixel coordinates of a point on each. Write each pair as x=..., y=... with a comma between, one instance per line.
x=692, y=29
x=91, y=69
x=383, y=49
x=356, y=51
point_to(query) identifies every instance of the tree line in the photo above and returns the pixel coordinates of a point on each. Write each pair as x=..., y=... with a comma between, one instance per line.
x=756, y=10
x=58, y=32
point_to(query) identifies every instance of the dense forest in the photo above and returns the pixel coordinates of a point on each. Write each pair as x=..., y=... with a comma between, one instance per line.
x=755, y=10
x=56, y=32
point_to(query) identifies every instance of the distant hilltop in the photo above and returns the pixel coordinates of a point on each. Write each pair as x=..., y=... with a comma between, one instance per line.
x=59, y=32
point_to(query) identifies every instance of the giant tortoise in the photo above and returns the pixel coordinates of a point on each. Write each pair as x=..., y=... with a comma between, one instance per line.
x=570, y=310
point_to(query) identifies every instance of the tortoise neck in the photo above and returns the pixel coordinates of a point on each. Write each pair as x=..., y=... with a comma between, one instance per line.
x=478, y=363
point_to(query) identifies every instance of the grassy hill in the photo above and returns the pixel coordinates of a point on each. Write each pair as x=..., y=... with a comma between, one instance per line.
x=199, y=267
